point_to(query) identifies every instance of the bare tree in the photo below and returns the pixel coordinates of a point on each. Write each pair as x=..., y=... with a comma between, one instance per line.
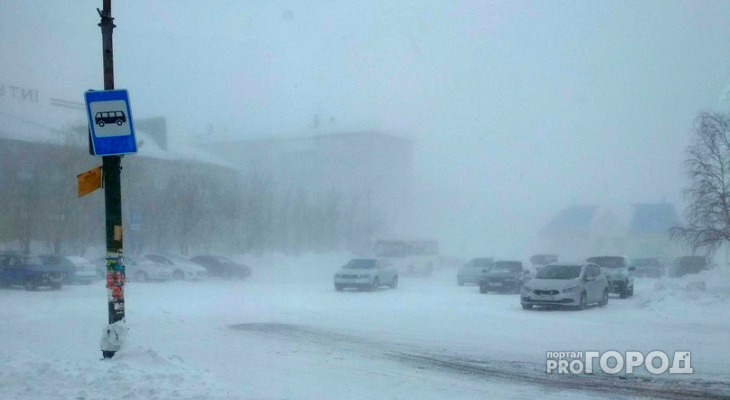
x=708, y=165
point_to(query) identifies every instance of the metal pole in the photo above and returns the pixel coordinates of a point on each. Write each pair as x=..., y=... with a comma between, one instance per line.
x=370, y=226
x=111, y=169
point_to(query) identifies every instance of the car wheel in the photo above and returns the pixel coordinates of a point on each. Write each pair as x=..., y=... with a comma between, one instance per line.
x=482, y=288
x=583, y=301
x=526, y=306
x=119, y=122
x=178, y=275
x=604, y=299
x=101, y=124
x=141, y=276
x=631, y=291
x=56, y=286
x=375, y=285
x=338, y=287
x=623, y=292
x=394, y=284
x=30, y=285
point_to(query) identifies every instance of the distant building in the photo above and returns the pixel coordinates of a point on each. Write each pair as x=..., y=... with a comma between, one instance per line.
x=44, y=145
x=355, y=165
x=649, y=229
x=582, y=230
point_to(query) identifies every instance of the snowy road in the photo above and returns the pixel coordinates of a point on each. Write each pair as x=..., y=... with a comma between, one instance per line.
x=286, y=334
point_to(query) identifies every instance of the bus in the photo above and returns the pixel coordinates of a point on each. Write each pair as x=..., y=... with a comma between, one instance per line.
x=410, y=257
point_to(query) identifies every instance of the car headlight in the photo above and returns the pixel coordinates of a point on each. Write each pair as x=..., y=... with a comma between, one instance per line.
x=526, y=288
x=364, y=276
x=571, y=289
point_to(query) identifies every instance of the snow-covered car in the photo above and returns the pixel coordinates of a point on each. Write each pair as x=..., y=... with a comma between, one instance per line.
x=222, y=267
x=182, y=269
x=78, y=269
x=688, y=265
x=648, y=267
x=366, y=274
x=619, y=272
x=573, y=285
x=473, y=271
x=502, y=276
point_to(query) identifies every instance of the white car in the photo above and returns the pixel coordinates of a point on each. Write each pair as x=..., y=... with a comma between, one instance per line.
x=572, y=285
x=366, y=274
x=146, y=270
x=182, y=269
x=85, y=271
x=473, y=271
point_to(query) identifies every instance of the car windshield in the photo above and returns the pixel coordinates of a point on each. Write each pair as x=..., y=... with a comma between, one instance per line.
x=691, y=261
x=542, y=259
x=646, y=262
x=559, y=272
x=32, y=261
x=361, y=264
x=480, y=262
x=78, y=260
x=608, y=262
x=506, y=266
x=177, y=259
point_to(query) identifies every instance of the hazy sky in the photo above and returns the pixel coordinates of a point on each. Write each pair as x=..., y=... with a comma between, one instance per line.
x=517, y=108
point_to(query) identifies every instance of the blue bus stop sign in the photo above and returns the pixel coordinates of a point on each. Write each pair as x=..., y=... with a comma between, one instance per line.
x=110, y=122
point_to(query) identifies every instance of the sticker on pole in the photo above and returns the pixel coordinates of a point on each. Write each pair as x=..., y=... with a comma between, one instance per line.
x=110, y=122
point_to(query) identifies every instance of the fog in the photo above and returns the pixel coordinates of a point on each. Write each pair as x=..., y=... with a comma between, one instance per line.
x=515, y=109
x=366, y=199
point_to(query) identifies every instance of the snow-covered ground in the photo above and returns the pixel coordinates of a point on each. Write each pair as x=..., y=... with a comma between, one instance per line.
x=286, y=334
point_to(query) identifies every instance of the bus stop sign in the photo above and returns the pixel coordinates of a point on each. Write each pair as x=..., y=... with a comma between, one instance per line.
x=110, y=122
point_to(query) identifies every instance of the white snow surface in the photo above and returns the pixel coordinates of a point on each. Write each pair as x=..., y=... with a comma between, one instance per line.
x=285, y=333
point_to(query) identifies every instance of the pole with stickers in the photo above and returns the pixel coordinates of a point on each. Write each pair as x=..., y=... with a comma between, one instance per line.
x=111, y=135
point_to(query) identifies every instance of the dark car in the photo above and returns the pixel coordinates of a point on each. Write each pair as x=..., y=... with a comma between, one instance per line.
x=619, y=272
x=648, y=268
x=26, y=270
x=503, y=276
x=222, y=267
x=77, y=269
x=688, y=265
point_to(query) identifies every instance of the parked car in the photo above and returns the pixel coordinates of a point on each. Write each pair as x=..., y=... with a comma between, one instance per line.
x=573, y=285
x=688, y=265
x=503, y=276
x=141, y=270
x=648, y=268
x=222, y=267
x=473, y=271
x=182, y=269
x=619, y=272
x=25, y=270
x=146, y=270
x=366, y=274
x=77, y=269
x=540, y=260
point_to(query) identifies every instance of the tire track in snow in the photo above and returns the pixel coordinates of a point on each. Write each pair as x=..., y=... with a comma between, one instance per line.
x=521, y=372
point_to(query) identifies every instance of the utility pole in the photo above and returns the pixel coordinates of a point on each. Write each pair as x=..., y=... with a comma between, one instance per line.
x=111, y=170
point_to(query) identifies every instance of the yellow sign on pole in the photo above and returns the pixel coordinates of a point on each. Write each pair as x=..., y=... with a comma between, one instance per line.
x=89, y=181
